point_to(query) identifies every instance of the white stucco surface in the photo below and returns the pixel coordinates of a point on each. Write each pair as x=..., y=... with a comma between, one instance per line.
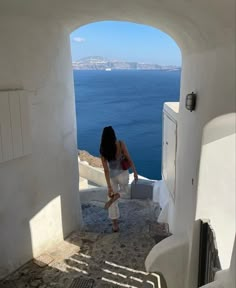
x=170, y=257
x=204, y=74
x=167, y=204
x=169, y=156
x=216, y=189
x=35, y=55
x=195, y=26
x=39, y=192
x=172, y=108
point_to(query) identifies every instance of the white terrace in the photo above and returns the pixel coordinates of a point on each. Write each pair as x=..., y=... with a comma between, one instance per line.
x=40, y=203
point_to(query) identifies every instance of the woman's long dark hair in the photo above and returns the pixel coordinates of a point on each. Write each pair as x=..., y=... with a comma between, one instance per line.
x=108, y=144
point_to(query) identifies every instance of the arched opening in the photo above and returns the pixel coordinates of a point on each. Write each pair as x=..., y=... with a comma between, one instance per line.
x=144, y=67
x=111, y=96
x=40, y=62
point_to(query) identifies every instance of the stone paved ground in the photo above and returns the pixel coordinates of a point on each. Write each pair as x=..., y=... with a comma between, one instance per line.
x=110, y=259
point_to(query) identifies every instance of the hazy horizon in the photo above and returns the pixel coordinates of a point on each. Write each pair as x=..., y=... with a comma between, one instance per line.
x=125, y=41
x=121, y=60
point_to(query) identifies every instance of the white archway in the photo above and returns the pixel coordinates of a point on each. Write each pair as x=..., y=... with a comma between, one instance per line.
x=35, y=55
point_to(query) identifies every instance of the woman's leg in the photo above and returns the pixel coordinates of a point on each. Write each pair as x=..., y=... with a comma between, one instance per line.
x=113, y=210
x=115, y=225
x=123, y=180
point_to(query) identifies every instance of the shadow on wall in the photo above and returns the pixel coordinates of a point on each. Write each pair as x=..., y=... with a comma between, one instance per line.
x=38, y=216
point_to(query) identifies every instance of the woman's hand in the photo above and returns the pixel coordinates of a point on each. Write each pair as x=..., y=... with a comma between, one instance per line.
x=110, y=192
x=126, y=153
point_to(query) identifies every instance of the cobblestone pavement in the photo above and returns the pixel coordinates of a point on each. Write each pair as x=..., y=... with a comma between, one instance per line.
x=110, y=259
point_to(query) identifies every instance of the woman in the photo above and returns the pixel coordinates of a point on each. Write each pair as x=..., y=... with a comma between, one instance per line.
x=117, y=179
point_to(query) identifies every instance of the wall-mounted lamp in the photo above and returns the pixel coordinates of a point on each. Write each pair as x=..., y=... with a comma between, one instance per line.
x=190, y=102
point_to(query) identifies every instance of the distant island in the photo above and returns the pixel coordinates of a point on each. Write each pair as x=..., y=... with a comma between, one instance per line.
x=101, y=63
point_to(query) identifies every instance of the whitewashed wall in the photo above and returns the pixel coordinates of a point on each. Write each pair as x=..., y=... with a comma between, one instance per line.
x=216, y=188
x=204, y=74
x=211, y=74
x=35, y=55
x=39, y=201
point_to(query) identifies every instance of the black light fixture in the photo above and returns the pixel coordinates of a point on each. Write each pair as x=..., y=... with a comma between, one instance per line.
x=190, y=101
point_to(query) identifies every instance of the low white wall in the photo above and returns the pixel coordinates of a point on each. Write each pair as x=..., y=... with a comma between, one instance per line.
x=97, y=176
x=165, y=199
x=93, y=194
x=39, y=203
x=170, y=258
x=93, y=174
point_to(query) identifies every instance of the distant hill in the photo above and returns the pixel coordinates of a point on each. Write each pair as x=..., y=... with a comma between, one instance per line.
x=101, y=63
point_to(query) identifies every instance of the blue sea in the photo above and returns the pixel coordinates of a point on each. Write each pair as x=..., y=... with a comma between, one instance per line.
x=130, y=101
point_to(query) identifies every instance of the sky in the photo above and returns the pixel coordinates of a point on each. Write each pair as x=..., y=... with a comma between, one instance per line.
x=124, y=41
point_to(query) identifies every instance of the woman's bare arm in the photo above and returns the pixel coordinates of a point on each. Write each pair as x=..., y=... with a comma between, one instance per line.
x=107, y=176
x=126, y=153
